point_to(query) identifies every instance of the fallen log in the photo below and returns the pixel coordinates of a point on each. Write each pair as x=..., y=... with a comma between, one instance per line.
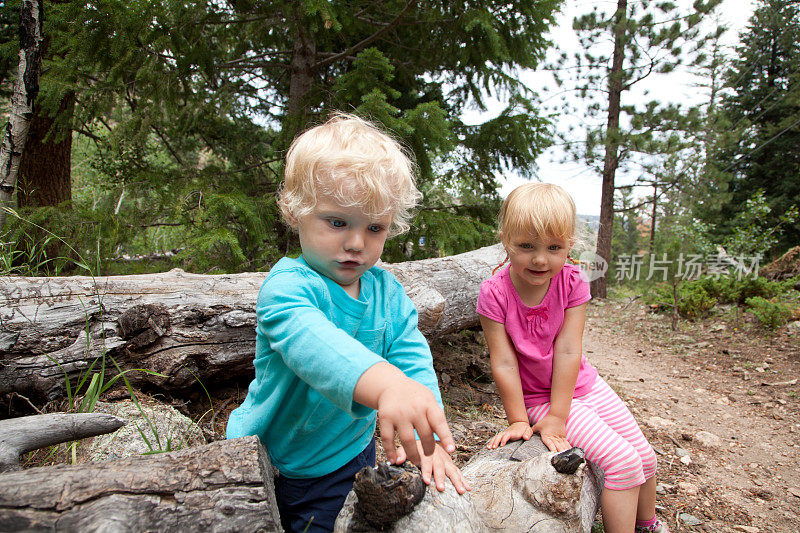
x=223, y=486
x=518, y=487
x=181, y=326
x=28, y=433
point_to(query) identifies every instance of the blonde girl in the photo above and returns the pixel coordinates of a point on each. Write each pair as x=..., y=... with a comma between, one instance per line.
x=532, y=313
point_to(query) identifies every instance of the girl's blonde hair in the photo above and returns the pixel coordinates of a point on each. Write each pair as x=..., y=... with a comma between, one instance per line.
x=541, y=209
x=352, y=162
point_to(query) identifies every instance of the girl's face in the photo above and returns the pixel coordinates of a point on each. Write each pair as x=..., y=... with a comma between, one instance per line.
x=534, y=259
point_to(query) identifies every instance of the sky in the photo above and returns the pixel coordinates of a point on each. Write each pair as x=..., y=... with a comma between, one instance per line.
x=582, y=182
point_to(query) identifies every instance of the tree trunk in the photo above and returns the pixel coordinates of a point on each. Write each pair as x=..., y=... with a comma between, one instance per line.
x=45, y=177
x=653, y=214
x=223, y=486
x=514, y=488
x=26, y=87
x=611, y=161
x=301, y=77
x=182, y=326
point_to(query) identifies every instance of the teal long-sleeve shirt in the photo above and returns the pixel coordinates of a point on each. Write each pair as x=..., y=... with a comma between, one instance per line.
x=313, y=343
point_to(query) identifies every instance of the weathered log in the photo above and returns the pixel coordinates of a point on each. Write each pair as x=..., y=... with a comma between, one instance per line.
x=514, y=488
x=182, y=326
x=223, y=486
x=28, y=433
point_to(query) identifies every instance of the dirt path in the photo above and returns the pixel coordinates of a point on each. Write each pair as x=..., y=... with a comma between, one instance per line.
x=709, y=377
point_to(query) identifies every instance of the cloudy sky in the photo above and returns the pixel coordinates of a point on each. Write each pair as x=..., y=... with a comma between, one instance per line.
x=580, y=181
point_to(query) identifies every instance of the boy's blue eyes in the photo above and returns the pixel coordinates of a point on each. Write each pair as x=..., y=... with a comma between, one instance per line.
x=337, y=223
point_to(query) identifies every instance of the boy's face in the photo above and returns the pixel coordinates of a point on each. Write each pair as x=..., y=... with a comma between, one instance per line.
x=342, y=243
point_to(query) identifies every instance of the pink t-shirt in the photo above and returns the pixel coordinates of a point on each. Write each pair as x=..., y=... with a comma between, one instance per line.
x=533, y=330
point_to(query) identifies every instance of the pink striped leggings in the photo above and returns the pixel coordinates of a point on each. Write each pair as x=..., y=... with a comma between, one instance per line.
x=600, y=423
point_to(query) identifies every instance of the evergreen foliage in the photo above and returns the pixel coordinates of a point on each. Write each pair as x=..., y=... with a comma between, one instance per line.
x=184, y=111
x=763, y=106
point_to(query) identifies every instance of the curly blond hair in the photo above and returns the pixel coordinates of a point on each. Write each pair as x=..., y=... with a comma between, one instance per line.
x=354, y=163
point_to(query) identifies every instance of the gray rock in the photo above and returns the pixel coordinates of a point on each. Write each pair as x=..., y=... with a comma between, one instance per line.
x=151, y=427
x=689, y=520
x=707, y=439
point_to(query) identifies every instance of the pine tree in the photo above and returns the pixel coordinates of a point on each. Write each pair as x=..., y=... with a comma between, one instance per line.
x=650, y=38
x=763, y=105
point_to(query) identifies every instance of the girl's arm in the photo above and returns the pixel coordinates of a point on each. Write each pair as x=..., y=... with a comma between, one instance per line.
x=567, y=352
x=505, y=370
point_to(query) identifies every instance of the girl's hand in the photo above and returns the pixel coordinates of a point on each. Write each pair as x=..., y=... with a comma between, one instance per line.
x=516, y=431
x=440, y=464
x=553, y=430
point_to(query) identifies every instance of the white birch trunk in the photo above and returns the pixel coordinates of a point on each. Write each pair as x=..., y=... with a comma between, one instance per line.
x=26, y=87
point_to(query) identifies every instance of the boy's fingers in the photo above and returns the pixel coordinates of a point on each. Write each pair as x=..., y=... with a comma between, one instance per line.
x=439, y=476
x=439, y=425
x=409, y=442
x=458, y=481
x=427, y=466
x=426, y=437
x=401, y=456
x=387, y=439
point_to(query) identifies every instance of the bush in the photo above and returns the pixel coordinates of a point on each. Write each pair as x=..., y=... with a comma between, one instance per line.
x=727, y=289
x=771, y=313
x=693, y=300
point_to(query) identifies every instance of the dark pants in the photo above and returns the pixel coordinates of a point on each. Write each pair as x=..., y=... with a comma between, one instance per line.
x=315, y=502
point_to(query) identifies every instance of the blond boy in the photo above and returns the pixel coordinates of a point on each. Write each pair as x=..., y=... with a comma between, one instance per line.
x=337, y=337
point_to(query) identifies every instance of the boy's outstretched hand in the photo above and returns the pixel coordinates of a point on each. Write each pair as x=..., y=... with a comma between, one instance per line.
x=403, y=406
x=441, y=465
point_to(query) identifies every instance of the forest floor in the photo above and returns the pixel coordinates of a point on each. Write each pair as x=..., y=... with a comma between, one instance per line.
x=717, y=399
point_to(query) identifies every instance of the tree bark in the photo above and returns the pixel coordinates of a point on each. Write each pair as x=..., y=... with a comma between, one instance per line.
x=45, y=170
x=301, y=77
x=599, y=286
x=223, y=486
x=182, y=326
x=514, y=488
x=26, y=87
x=653, y=215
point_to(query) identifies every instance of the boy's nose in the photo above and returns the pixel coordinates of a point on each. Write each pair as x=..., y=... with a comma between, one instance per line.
x=355, y=241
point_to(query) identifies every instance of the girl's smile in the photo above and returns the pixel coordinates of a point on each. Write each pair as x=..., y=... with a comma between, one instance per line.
x=534, y=262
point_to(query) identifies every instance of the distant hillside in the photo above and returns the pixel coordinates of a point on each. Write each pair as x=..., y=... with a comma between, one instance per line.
x=592, y=221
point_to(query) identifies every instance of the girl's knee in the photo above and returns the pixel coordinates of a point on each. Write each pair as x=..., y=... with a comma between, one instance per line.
x=623, y=470
x=649, y=462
